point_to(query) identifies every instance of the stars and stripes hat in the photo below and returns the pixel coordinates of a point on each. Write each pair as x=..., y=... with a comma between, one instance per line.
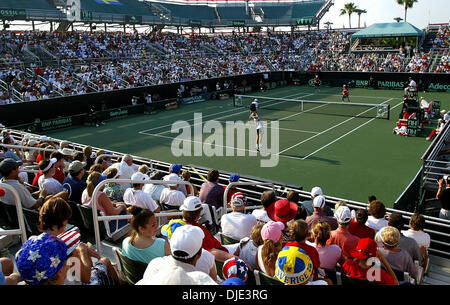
x=238, y=200
x=40, y=258
x=235, y=267
x=71, y=239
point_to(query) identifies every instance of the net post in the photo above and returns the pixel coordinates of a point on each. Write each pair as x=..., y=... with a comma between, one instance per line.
x=388, y=112
x=234, y=100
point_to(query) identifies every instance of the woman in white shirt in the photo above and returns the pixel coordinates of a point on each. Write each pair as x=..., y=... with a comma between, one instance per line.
x=377, y=212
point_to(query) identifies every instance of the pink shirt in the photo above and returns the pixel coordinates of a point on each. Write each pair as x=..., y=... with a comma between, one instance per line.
x=329, y=256
x=344, y=239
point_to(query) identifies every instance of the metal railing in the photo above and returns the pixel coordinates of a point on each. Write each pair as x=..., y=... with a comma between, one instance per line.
x=97, y=218
x=22, y=229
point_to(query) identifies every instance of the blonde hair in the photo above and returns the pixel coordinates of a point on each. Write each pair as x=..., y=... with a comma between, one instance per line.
x=270, y=250
x=321, y=233
x=390, y=237
x=96, y=168
x=111, y=172
x=255, y=235
x=87, y=151
x=91, y=181
x=143, y=169
x=339, y=204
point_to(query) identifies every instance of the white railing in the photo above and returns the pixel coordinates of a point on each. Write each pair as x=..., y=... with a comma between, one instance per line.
x=21, y=230
x=97, y=218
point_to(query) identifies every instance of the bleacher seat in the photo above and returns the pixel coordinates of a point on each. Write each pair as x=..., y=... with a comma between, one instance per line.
x=196, y=12
x=227, y=240
x=277, y=12
x=306, y=9
x=130, y=270
x=27, y=4
x=262, y=278
x=11, y=214
x=31, y=218
x=126, y=7
x=232, y=13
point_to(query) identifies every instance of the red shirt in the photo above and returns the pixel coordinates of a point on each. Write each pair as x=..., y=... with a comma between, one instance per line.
x=311, y=252
x=345, y=92
x=39, y=158
x=362, y=231
x=209, y=242
x=59, y=175
x=353, y=270
x=36, y=177
x=230, y=193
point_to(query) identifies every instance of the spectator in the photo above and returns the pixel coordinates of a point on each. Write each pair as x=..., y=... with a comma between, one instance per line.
x=298, y=233
x=341, y=236
x=179, y=268
x=232, y=190
x=87, y=150
x=267, y=199
x=371, y=198
x=319, y=215
x=186, y=176
x=211, y=192
x=73, y=183
x=237, y=224
x=406, y=243
x=294, y=267
x=377, y=213
x=142, y=245
x=171, y=197
x=155, y=190
x=267, y=253
x=192, y=210
x=283, y=211
x=112, y=189
x=397, y=258
x=444, y=198
x=358, y=225
x=235, y=268
x=59, y=166
x=248, y=246
x=7, y=277
x=144, y=169
x=104, y=204
x=46, y=181
x=96, y=168
x=176, y=169
x=54, y=216
x=308, y=204
x=358, y=267
x=136, y=197
x=9, y=169
x=329, y=255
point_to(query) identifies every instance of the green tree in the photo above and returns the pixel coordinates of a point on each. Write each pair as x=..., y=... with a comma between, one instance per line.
x=359, y=12
x=349, y=9
x=407, y=4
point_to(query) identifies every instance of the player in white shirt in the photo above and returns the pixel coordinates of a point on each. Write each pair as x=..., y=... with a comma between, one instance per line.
x=259, y=125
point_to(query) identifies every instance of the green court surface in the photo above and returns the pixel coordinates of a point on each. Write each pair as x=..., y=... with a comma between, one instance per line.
x=349, y=157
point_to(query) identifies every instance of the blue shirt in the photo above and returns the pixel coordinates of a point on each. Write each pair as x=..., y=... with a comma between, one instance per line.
x=12, y=155
x=143, y=255
x=74, y=187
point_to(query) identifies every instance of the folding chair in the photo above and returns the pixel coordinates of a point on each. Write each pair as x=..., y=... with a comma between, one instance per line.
x=227, y=240
x=130, y=270
x=262, y=278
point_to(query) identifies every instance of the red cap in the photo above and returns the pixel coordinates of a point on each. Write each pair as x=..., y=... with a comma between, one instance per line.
x=366, y=248
x=282, y=210
x=2, y=192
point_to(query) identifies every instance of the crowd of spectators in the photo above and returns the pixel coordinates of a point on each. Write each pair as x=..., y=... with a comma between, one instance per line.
x=325, y=238
x=442, y=40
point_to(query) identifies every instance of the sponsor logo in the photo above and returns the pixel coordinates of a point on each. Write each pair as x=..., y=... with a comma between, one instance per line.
x=59, y=123
x=439, y=86
x=118, y=113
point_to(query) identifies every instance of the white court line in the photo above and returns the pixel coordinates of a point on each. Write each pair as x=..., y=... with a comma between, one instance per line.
x=332, y=127
x=159, y=127
x=232, y=114
x=345, y=135
x=363, y=96
x=288, y=129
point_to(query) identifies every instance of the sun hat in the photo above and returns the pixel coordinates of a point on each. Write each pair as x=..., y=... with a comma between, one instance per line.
x=172, y=178
x=71, y=239
x=66, y=151
x=365, y=248
x=319, y=202
x=175, y=168
x=293, y=266
x=191, y=203
x=235, y=267
x=76, y=166
x=238, y=200
x=343, y=214
x=390, y=236
x=234, y=178
x=316, y=191
x=186, y=241
x=168, y=229
x=139, y=176
x=32, y=142
x=272, y=231
x=282, y=210
x=40, y=258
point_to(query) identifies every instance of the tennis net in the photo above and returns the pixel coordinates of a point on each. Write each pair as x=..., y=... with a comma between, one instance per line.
x=380, y=111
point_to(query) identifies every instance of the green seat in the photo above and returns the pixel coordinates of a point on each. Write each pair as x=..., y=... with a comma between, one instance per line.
x=88, y=221
x=262, y=278
x=11, y=215
x=31, y=221
x=346, y=280
x=227, y=240
x=219, y=267
x=130, y=270
x=77, y=218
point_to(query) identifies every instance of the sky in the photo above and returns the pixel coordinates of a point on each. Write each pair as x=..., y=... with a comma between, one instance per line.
x=423, y=12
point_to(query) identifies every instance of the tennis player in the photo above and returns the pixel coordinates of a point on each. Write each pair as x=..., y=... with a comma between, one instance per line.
x=345, y=93
x=316, y=83
x=254, y=107
x=259, y=129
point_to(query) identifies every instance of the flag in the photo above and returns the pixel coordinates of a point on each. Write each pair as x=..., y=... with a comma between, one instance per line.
x=113, y=2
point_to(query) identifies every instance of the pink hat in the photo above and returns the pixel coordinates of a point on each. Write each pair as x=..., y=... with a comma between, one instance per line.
x=272, y=230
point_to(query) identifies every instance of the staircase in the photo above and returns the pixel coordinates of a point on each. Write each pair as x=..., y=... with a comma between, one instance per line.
x=46, y=58
x=64, y=26
x=158, y=10
x=439, y=272
x=216, y=12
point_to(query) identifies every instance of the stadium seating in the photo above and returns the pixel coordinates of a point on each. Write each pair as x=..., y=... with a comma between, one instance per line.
x=27, y=4
x=126, y=7
x=130, y=270
x=195, y=12
x=307, y=9
x=262, y=278
x=277, y=12
x=232, y=13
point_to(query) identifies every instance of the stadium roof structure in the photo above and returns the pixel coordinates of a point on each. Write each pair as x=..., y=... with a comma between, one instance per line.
x=395, y=29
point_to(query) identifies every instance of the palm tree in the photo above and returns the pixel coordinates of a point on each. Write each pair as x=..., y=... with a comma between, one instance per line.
x=349, y=8
x=407, y=4
x=359, y=12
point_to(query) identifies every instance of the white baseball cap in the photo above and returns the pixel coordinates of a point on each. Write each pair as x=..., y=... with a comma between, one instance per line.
x=316, y=191
x=186, y=241
x=173, y=178
x=66, y=152
x=343, y=214
x=319, y=202
x=138, y=176
x=191, y=203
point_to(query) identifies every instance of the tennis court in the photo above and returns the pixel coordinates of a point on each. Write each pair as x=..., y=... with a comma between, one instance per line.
x=346, y=150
